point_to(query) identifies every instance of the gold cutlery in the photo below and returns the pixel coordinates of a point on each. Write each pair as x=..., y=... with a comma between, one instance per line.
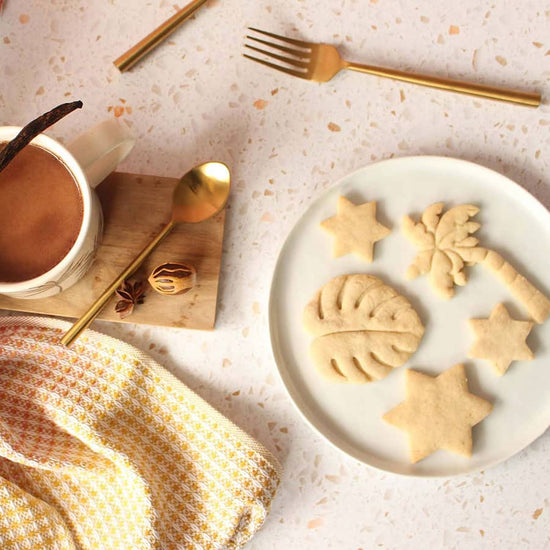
x=321, y=62
x=199, y=195
x=142, y=48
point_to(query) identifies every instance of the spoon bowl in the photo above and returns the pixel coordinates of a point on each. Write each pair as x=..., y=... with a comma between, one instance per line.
x=201, y=193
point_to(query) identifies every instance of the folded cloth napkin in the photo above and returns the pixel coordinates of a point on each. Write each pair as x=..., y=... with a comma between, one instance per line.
x=101, y=448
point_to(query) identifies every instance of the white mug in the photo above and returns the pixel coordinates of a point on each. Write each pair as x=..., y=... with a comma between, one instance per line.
x=90, y=158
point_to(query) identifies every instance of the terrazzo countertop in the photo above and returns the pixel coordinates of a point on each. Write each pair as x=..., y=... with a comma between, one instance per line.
x=196, y=98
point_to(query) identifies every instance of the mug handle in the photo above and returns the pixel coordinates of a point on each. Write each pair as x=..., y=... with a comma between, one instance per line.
x=100, y=149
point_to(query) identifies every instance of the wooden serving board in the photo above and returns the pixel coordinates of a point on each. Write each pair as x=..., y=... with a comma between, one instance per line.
x=135, y=208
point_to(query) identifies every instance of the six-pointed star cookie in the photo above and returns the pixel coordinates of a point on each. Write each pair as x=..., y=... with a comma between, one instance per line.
x=438, y=413
x=355, y=229
x=500, y=339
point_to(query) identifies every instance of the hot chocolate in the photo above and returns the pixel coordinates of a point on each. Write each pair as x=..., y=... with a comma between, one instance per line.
x=41, y=214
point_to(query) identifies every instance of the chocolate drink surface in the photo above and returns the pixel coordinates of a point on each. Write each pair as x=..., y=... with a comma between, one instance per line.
x=41, y=213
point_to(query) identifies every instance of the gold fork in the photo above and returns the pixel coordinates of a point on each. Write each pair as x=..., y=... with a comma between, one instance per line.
x=321, y=62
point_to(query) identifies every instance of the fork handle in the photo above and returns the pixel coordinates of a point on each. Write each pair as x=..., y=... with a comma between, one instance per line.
x=531, y=99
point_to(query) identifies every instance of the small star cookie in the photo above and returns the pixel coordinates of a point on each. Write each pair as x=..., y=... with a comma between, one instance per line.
x=500, y=339
x=438, y=413
x=355, y=229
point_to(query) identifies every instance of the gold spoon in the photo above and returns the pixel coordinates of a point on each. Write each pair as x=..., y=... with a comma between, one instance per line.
x=199, y=195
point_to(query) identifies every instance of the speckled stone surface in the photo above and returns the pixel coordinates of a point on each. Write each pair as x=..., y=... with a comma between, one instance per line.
x=196, y=98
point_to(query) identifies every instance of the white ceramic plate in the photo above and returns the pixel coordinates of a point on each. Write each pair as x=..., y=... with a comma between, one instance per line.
x=513, y=222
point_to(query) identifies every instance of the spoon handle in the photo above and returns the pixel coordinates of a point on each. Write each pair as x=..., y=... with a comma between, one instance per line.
x=72, y=334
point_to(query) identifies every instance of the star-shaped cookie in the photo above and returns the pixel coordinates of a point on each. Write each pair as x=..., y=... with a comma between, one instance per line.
x=500, y=339
x=355, y=229
x=438, y=413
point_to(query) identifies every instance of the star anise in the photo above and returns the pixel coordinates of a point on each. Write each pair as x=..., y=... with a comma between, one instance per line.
x=130, y=294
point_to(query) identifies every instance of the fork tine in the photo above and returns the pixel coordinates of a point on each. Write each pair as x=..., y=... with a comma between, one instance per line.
x=299, y=43
x=291, y=72
x=289, y=61
x=291, y=51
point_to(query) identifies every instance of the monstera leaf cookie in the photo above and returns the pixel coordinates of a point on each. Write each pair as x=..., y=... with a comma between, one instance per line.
x=363, y=329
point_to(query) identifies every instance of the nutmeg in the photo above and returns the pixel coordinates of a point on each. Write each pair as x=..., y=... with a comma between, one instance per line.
x=173, y=278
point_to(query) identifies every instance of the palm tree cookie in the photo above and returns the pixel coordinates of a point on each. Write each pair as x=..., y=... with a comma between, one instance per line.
x=446, y=246
x=363, y=329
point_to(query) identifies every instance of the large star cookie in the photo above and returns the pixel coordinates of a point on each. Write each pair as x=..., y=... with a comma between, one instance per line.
x=500, y=339
x=438, y=413
x=355, y=229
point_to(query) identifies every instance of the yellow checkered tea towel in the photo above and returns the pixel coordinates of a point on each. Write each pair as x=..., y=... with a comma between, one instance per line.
x=101, y=448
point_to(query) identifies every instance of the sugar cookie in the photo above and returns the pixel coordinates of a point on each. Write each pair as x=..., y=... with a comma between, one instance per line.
x=355, y=229
x=500, y=339
x=446, y=246
x=363, y=329
x=438, y=413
